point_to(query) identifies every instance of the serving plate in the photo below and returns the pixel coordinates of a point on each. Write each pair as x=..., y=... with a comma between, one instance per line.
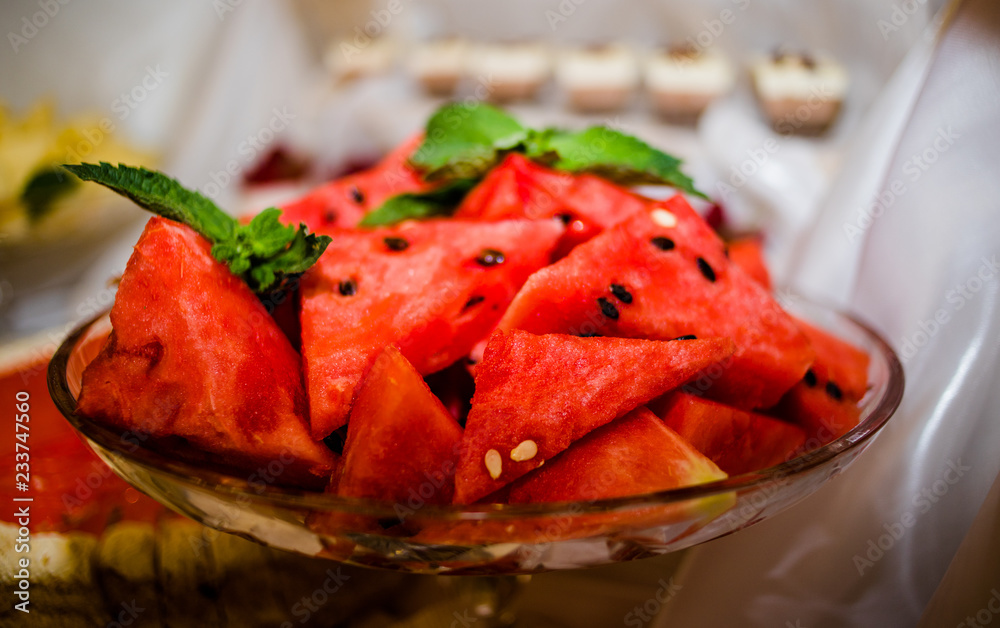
x=479, y=538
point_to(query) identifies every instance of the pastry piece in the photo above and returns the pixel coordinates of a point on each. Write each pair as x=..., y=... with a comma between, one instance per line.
x=682, y=81
x=798, y=92
x=349, y=60
x=598, y=78
x=439, y=65
x=511, y=71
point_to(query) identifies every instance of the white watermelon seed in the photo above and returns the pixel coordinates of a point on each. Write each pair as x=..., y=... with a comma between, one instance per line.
x=664, y=218
x=494, y=463
x=526, y=450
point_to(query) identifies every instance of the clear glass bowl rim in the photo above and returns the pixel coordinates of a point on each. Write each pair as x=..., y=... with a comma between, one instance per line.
x=879, y=408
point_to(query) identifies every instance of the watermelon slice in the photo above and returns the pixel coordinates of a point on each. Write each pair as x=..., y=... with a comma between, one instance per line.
x=748, y=254
x=537, y=394
x=663, y=274
x=632, y=455
x=825, y=401
x=345, y=201
x=736, y=440
x=402, y=444
x=433, y=288
x=193, y=355
x=519, y=187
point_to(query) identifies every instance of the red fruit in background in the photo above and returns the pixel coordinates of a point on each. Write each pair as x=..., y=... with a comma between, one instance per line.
x=400, y=439
x=433, y=288
x=553, y=389
x=193, y=355
x=632, y=455
x=662, y=274
x=345, y=201
x=736, y=440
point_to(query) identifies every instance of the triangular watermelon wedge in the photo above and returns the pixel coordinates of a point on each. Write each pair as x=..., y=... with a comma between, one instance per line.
x=193, y=355
x=345, y=201
x=661, y=274
x=537, y=394
x=825, y=401
x=736, y=440
x=519, y=187
x=516, y=188
x=402, y=444
x=433, y=288
x=632, y=455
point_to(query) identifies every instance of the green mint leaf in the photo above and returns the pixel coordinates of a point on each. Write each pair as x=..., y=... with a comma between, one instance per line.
x=275, y=272
x=43, y=189
x=610, y=154
x=161, y=195
x=264, y=253
x=268, y=254
x=441, y=201
x=465, y=140
x=266, y=235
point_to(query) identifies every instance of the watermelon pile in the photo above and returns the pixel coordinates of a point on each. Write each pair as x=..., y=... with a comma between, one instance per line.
x=560, y=338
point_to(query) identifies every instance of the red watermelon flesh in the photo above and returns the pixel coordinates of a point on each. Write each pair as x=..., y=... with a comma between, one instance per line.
x=519, y=187
x=433, y=288
x=736, y=440
x=748, y=254
x=345, y=201
x=825, y=401
x=401, y=442
x=193, y=354
x=632, y=455
x=553, y=389
x=837, y=361
x=662, y=274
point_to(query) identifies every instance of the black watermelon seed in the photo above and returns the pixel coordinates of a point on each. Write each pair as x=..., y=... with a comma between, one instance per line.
x=664, y=244
x=330, y=216
x=335, y=441
x=473, y=301
x=208, y=591
x=490, y=257
x=608, y=308
x=621, y=293
x=357, y=195
x=834, y=391
x=396, y=244
x=810, y=378
x=348, y=287
x=566, y=218
x=589, y=334
x=725, y=251
x=686, y=337
x=706, y=270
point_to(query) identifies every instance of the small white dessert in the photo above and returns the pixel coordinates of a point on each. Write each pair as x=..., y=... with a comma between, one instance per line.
x=800, y=93
x=348, y=60
x=598, y=78
x=439, y=65
x=682, y=81
x=511, y=71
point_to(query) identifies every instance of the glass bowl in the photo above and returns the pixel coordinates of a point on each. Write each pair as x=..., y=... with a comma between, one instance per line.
x=480, y=538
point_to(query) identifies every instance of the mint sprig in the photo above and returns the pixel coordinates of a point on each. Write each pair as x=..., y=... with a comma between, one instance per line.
x=264, y=253
x=463, y=141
